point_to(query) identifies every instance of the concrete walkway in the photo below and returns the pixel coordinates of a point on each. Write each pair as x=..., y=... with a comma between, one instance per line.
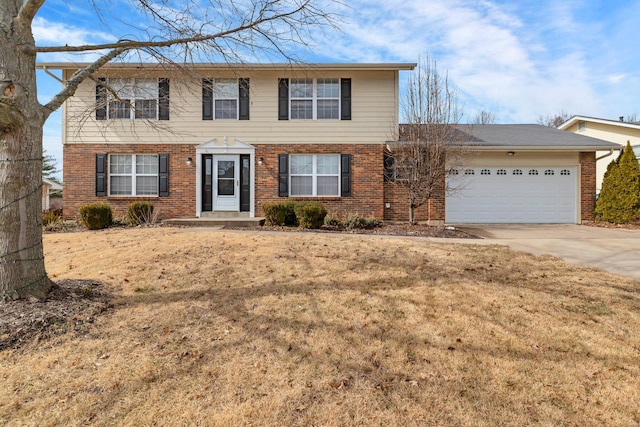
x=614, y=250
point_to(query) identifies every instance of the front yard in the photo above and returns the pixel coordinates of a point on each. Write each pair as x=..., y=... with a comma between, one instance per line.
x=298, y=329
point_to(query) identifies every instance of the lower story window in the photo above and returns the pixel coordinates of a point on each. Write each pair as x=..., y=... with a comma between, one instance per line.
x=133, y=175
x=315, y=175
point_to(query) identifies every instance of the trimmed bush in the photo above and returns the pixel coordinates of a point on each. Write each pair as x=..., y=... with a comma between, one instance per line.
x=97, y=215
x=280, y=213
x=310, y=214
x=619, y=200
x=140, y=212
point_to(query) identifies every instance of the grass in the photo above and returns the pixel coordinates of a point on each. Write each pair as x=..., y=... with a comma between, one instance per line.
x=300, y=329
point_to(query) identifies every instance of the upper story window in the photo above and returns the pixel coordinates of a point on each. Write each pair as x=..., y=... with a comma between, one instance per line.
x=133, y=175
x=132, y=98
x=225, y=99
x=314, y=99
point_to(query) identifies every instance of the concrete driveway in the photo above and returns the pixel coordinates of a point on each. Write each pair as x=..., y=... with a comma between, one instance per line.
x=614, y=250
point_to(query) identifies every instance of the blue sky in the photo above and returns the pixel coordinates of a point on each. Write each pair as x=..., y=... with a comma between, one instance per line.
x=517, y=59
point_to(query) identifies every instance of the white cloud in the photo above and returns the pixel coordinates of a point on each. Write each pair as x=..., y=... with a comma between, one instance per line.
x=496, y=53
x=48, y=33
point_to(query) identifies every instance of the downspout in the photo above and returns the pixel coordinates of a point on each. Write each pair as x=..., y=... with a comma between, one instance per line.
x=605, y=155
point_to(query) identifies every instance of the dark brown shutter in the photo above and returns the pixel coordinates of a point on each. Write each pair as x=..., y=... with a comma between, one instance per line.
x=163, y=175
x=283, y=175
x=163, y=101
x=207, y=99
x=101, y=174
x=345, y=99
x=345, y=175
x=283, y=99
x=243, y=90
x=101, y=99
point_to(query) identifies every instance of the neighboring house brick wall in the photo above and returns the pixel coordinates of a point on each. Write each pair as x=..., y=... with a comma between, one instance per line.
x=587, y=185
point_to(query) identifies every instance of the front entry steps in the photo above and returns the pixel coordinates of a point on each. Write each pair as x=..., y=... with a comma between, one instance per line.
x=217, y=219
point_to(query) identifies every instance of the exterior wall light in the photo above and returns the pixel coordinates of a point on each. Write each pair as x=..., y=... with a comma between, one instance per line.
x=260, y=160
x=189, y=161
x=511, y=153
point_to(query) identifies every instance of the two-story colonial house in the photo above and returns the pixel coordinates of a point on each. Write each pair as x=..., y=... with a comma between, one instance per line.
x=224, y=139
x=221, y=140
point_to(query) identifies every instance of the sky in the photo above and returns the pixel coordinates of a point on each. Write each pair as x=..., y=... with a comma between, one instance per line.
x=517, y=59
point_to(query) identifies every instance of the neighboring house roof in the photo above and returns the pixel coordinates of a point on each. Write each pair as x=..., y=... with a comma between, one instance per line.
x=528, y=137
x=236, y=66
x=576, y=119
x=52, y=184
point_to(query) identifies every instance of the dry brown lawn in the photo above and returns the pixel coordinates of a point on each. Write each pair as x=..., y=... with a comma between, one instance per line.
x=217, y=328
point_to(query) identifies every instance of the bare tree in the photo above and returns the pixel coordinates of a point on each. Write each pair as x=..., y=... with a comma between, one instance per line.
x=554, y=120
x=484, y=117
x=429, y=142
x=222, y=30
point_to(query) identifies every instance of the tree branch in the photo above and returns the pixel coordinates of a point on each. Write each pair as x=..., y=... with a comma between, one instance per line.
x=133, y=44
x=77, y=78
x=29, y=9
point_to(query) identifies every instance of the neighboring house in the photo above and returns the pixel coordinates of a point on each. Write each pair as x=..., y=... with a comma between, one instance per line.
x=222, y=140
x=48, y=186
x=616, y=131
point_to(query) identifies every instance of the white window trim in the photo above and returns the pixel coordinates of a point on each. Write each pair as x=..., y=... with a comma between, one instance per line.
x=131, y=100
x=314, y=98
x=314, y=175
x=133, y=176
x=214, y=98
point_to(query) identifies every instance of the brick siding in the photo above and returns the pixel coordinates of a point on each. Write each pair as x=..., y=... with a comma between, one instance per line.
x=370, y=194
x=366, y=178
x=80, y=179
x=587, y=185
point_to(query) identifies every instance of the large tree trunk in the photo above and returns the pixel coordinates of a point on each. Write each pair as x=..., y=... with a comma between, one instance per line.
x=22, y=271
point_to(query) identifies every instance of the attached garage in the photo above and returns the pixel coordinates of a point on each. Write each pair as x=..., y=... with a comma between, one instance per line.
x=521, y=194
x=508, y=174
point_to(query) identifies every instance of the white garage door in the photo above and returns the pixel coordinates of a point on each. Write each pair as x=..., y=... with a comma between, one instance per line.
x=513, y=195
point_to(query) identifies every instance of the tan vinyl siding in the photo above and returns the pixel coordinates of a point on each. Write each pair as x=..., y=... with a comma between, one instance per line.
x=612, y=132
x=374, y=113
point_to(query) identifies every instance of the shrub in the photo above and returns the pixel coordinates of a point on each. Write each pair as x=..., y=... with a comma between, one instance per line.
x=310, y=214
x=359, y=222
x=333, y=221
x=97, y=215
x=50, y=217
x=280, y=213
x=140, y=212
x=619, y=200
x=274, y=213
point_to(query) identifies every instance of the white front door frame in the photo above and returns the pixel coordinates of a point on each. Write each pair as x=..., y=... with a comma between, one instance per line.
x=229, y=202
x=222, y=147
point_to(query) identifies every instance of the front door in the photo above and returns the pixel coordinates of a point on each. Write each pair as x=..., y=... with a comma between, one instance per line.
x=226, y=183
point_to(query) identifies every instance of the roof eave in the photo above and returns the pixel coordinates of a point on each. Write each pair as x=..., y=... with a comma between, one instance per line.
x=542, y=148
x=225, y=66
